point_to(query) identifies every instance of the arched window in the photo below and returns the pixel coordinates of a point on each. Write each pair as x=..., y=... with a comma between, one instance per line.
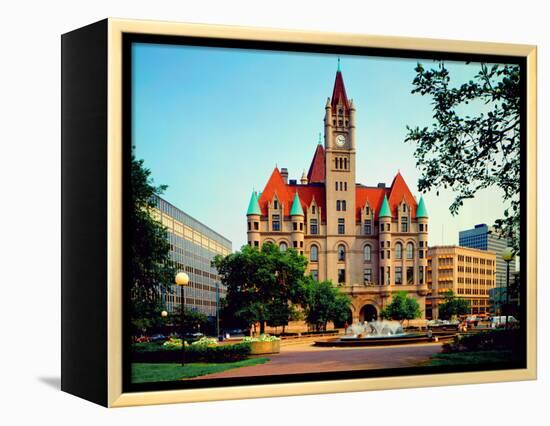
x=399, y=251
x=341, y=252
x=314, y=254
x=367, y=253
x=283, y=246
x=410, y=250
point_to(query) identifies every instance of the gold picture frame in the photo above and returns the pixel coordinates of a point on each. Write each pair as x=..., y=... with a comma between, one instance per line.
x=114, y=396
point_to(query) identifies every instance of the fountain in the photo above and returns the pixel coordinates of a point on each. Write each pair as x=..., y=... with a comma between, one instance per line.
x=374, y=329
x=378, y=333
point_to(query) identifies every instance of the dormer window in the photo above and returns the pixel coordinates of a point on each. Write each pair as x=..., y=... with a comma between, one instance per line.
x=275, y=204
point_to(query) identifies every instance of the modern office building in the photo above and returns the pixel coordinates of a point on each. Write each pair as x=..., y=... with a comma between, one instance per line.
x=483, y=237
x=193, y=245
x=370, y=240
x=468, y=273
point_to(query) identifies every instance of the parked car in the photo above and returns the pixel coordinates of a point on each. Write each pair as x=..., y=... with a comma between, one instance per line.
x=500, y=321
x=158, y=338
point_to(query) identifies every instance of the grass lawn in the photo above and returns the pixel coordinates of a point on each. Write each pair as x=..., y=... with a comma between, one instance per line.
x=145, y=372
x=479, y=357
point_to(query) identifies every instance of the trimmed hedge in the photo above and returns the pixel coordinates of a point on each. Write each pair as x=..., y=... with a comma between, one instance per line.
x=153, y=353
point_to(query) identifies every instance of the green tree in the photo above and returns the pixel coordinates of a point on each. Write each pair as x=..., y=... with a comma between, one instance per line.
x=401, y=308
x=151, y=269
x=146, y=315
x=324, y=302
x=192, y=320
x=261, y=283
x=453, y=306
x=468, y=153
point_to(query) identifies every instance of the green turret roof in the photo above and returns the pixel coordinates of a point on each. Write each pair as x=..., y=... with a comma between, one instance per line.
x=253, y=206
x=385, y=209
x=421, y=209
x=296, y=209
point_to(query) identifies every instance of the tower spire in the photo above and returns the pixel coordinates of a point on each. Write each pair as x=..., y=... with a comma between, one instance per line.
x=338, y=70
x=319, y=142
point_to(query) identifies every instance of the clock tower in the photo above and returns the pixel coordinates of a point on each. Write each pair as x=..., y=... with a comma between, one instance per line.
x=340, y=160
x=340, y=180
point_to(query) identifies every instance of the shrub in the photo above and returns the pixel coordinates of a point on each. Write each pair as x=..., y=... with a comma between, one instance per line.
x=485, y=341
x=205, y=341
x=171, y=352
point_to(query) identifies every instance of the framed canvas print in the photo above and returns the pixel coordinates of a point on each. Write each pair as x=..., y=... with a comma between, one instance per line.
x=250, y=212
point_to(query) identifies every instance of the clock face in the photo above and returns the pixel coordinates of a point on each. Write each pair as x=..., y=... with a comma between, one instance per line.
x=340, y=140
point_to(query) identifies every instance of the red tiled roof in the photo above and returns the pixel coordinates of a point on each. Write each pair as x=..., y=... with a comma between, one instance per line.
x=285, y=194
x=395, y=193
x=374, y=196
x=339, y=94
x=400, y=191
x=307, y=193
x=316, y=171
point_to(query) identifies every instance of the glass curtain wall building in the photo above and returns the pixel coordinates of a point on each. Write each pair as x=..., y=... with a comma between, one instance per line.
x=193, y=245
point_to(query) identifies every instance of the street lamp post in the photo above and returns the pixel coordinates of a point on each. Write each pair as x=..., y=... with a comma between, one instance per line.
x=182, y=279
x=218, y=310
x=507, y=256
x=163, y=315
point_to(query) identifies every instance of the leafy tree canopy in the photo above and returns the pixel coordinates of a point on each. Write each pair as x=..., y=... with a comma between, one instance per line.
x=453, y=306
x=324, y=302
x=262, y=283
x=468, y=153
x=151, y=269
x=149, y=250
x=402, y=307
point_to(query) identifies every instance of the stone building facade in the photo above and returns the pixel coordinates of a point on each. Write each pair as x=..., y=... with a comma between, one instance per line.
x=370, y=240
x=469, y=273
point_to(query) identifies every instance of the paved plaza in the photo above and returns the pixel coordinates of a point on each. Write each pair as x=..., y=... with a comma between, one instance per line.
x=303, y=357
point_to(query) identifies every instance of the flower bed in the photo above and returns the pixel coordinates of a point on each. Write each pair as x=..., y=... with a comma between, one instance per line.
x=204, y=350
x=264, y=344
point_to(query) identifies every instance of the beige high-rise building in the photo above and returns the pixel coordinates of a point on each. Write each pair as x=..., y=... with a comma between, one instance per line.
x=370, y=240
x=468, y=273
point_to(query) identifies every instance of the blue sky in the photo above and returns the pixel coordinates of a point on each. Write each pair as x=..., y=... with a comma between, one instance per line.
x=212, y=123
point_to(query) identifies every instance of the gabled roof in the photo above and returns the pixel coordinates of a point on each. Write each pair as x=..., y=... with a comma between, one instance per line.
x=253, y=207
x=372, y=196
x=296, y=209
x=421, y=210
x=286, y=193
x=275, y=185
x=400, y=191
x=339, y=94
x=316, y=171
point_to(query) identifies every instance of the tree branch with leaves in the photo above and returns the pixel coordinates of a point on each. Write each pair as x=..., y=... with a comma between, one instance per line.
x=469, y=153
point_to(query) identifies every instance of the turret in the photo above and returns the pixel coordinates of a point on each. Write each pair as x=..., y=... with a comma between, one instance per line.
x=328, y=124
x=253, y=215
x=422, y=223
x=384, y=250
x=297, y=218
x=352, y=123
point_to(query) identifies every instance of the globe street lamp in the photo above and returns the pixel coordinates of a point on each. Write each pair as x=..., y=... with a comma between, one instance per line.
x=507, y=255
x=182, y=279
x=163, y=315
